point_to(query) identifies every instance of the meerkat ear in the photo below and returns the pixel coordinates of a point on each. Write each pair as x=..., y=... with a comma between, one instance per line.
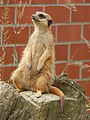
x=49, y=22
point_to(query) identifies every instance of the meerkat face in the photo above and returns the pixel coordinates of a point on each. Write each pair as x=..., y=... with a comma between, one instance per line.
x=41, y=18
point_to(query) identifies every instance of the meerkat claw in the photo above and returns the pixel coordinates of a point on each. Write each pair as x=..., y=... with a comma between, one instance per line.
x=28, y=66
x=39, y=70
x=17, y=90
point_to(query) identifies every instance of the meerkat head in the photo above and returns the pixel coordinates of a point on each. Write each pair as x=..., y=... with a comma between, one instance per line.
x=41, y=19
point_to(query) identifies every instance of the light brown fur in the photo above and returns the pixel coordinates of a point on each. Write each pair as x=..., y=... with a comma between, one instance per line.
x=35, y=71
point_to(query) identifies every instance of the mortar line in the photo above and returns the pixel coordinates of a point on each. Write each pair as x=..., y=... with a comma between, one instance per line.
x=12, y=45
x=61, y=61
x=29, y=1
x=43, y=8
x=57, y=62
x=56, y=32
x=69, y=52
x=66, y=43
x=56, y=43
x=82, y=33
x=14, y=56
x=54, y=24
x=72, y=23
x=83, y=79
x=7, y=65
x=40, y=5
x=57, y=1
x=66, y=61
x=29, y=31
x=1, y=35
x=70, y=16
x=15, y=18
x=80, y=72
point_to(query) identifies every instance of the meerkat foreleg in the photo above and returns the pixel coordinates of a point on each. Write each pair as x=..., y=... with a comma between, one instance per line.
x=28, y=59
x=43, y=58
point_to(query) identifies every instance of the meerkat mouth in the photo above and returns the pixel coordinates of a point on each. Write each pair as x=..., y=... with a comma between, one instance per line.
x=35, y=18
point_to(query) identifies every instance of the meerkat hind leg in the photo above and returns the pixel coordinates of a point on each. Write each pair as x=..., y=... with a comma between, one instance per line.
x=18, y=90
x=39, y=93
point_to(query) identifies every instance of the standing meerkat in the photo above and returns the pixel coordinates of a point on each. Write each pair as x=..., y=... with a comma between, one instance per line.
x=35, y=70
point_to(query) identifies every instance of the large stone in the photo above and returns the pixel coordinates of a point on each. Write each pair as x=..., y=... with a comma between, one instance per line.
x=26, y=106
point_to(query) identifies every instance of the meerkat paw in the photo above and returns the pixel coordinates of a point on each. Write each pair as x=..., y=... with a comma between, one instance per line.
x=18, y=90
x=39, y=68
x=28, y=63
x=28, y=66
x=39, y=93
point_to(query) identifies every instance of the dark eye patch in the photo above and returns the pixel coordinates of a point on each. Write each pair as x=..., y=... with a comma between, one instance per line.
x=41, y=16
x=49, y=22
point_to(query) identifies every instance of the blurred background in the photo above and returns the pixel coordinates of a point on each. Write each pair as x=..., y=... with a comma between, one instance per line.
x=71, y=31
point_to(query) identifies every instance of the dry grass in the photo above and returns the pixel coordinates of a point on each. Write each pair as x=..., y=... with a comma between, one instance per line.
x=5, y=37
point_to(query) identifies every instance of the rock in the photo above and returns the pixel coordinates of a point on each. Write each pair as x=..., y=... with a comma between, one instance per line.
x=26, y=106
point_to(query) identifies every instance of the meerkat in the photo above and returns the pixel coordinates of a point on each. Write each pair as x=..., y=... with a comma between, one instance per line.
x=35, y=70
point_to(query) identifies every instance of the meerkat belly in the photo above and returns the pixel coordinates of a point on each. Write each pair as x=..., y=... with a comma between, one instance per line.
x=37, y=51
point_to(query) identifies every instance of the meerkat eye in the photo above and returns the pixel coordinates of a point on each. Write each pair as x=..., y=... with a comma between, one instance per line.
x=41, y=16
x=49, y=22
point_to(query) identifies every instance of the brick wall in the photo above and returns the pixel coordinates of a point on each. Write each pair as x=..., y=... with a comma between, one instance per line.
x=71, y=30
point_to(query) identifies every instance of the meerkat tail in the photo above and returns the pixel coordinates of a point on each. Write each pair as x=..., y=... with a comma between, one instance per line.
x=58, y=92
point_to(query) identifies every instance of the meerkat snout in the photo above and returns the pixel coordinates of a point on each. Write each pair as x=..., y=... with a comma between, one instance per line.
x=35, y=18
x=42, y=18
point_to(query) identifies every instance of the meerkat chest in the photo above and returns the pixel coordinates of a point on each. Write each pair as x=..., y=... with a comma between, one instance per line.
x=38, y=47
x=39, y=42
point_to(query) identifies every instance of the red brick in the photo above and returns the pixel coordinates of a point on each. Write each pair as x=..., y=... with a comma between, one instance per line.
x=87, y=1
x=88, y=111
x=17, y=35
x=64, y=1
x=32, y=29
x=72, y=70
x=53, y=29
x=59, y=68
x=43, y=1
x=80, y=52
x=81, y=15
x=68, y=1
x=7, y=15
x=58, y=13
x=86, y=70
x=88, y=99
x=69, y=33
x=61, y=52
x=26, y=14
x=0, y=54
x=6, y=73
x=76, y=1
x=8, y=54
x=15, y=1
x=86, y=86
x=18, y=52
x=86, y=32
